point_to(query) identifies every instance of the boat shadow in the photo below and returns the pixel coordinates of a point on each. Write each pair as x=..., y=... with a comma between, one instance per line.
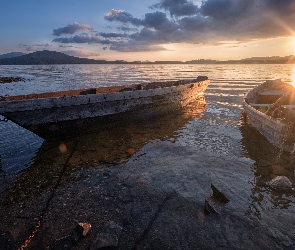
x=60, y=162
x=270, y=162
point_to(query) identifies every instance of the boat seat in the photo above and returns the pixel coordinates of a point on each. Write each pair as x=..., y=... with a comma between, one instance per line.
x=260, y=105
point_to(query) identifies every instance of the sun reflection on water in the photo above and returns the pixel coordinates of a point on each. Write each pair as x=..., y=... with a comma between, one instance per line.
x=293, y=77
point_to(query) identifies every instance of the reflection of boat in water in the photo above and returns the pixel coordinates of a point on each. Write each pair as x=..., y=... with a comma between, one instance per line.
x=68, y=113
x=270, y=162
x=270, y=107
x=103, y=148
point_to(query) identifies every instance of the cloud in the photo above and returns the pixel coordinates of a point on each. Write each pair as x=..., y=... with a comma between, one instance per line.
x=286, y=7
x=177, y=7
x=112, y=35
x=82, y=38
x=127, y=28
x=159, y=21
x=226, y=9
x=122, y=16
x=182, y=21
x=37, y=46
x=71, y=29
x=135, y=46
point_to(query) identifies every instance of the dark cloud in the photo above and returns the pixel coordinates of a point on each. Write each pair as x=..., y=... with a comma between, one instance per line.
x=284, y=7
x=226, y=9
x=71, y=29
x=214, y=21
x=112, y=35
x=82, y=38
x=159, y=21
x=178, y=7
x=123, y=17
x=127, y=28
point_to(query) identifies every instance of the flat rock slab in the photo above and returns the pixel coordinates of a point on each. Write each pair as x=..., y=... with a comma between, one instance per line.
x=155, y=201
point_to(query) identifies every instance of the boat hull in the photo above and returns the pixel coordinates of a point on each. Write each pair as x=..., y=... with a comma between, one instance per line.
x=58, y=117
x=275, y=130
x=269, y=128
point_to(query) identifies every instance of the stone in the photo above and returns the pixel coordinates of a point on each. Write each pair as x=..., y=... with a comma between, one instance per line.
x=211, y=206
x=280, y=182
x=213, y=202
x=108, y=237
x=80, y=231
x=219, y=195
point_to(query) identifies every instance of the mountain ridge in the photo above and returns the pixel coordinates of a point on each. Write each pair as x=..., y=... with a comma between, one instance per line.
x=53, y=57
x=12, y=54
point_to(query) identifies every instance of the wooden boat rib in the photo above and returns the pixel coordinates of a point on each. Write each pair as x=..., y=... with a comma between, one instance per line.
x=65, y=113
x=270, y=108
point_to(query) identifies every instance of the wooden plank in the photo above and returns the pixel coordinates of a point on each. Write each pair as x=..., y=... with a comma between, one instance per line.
x=273, y=92
x=260, y=105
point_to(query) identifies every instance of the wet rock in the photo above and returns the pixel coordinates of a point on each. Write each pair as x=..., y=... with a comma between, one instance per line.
x=219, y=195
x=6, y=240
x=80, y=231
x=212, y=206
x=108, y=237
x=280, y=182
x=86, y=228
x=278, y=170
x=10, y=79
x=213, y=202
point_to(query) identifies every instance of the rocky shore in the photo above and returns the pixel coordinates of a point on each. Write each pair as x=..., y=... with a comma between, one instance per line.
x=154, y=201
x=10, y=79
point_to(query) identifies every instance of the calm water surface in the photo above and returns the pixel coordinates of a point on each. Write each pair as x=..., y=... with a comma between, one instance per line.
x=218, y=129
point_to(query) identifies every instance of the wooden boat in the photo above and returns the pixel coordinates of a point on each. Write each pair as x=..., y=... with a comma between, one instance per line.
x=62, y=114
x=270, y=108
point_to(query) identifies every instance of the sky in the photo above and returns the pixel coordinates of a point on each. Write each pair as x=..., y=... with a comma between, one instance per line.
x=154, y=30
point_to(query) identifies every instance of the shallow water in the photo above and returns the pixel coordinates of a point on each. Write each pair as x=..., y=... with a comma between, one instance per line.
x=218, y=129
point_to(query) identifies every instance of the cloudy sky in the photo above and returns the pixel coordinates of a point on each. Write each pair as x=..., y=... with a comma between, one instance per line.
x=150, y=29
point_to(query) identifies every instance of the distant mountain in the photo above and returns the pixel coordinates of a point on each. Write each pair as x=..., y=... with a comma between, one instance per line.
x=12, y=54
x=46, y=57
x=53, y=57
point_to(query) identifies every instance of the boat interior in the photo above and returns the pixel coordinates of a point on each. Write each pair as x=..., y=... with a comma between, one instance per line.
x=102, y=90
x=275, y=101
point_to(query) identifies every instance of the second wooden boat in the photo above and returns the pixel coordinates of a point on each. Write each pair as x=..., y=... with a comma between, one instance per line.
x=270, y=108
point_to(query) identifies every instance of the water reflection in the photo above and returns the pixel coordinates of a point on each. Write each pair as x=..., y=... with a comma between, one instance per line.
x=269, y=163
x=57, y=162
x=293, y=77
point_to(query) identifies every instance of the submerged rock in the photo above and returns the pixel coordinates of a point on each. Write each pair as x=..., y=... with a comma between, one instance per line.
x=280, y=182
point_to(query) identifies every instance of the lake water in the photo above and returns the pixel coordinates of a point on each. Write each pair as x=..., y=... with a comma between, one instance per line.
x=218, y=129
x=224, y=98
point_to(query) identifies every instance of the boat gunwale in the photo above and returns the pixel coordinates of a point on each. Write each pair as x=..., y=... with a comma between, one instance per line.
x=254, y=92
x=101, y=90
x=76, y=100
